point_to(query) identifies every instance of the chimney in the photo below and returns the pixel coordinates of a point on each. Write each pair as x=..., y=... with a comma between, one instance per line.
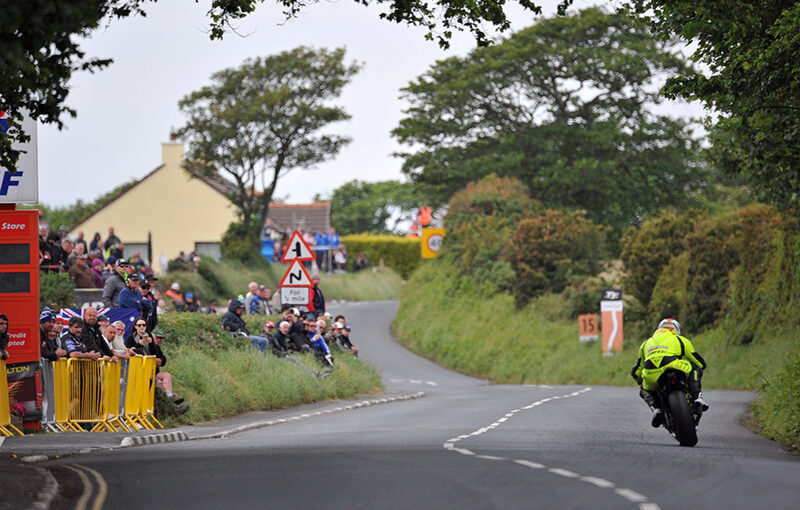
x=172, y=153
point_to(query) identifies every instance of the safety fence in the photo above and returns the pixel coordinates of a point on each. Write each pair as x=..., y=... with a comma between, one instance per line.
x=97, y=395
x=6, y=427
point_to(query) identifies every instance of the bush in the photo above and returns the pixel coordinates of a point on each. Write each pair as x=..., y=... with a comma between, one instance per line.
x=778, y=410
x=551, y=250
x=240, y=244
x=56, y=290
x=399, y=253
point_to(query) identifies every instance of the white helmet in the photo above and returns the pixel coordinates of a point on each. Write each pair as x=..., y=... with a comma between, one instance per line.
x=670, y=324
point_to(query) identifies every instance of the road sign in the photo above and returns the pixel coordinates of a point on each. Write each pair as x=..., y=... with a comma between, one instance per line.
x=296, y=276
x=611, y=312
x=297, y=249
x=21, y=184
x=431, y=241
x=587, y=327
x=295, y=295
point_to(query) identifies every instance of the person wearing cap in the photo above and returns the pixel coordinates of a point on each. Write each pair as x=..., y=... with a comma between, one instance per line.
x=81, y=274
x=131, y=297
x=317, y=305
x=51, y=346
x=145, y=287
x=191, y=304
x=345, y=341
x=212, y=307
x=232, y=321
x=115, y=284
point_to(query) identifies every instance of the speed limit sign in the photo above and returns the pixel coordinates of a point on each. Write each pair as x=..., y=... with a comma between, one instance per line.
x=431, y=241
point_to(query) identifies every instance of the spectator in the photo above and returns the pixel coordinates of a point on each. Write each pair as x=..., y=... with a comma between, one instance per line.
x=321, y=350
x=175, y=294
x=162, y=307
x=145, y=287
x=119, y=338
x=115, y=250
x=106, y=344
x=212, y=307
x=3, y=336
x=317, y=305
x=345, y=342
x=281, y=339
x=80, y=241
x=66, y=251
x=79, y=249
x=96, y=239
x=340, y=259
x=80, y=273
x=131, y=297
x=321, y=249
x=232, y=321
x=51, y=253
x=298, y=334
x=278, y=347
x=71, y=340
x=252, y=292
x=91, y=336
x=191, y=304
x=136, y=262
x=97, y=273
x=112, y=239
x=51, y=347
x=145, y=344
x=264, y=295
x=114, y=284
x=361, y=262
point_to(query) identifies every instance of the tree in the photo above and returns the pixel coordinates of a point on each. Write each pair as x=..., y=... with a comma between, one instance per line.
x=40, y=48
x=358, y=207
x=751, y=79
x=258, y=121
x=566, y=107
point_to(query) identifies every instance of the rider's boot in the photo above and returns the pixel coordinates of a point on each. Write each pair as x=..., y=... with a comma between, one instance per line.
x=650, y=400
x=700, y=403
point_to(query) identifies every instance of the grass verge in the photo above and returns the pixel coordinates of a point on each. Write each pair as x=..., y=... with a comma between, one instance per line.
x=226, y=279
x=221, y=375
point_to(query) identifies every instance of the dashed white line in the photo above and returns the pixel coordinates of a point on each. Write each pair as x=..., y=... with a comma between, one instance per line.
x=628, y=494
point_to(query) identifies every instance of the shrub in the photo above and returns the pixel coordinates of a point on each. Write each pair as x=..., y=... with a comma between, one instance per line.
x=400, y=253
x=240, y=244
x=56, y=290
x=551, y=250
x=670, y=297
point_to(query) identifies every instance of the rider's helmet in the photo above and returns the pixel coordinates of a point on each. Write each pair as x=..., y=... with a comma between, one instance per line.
x=670, y=324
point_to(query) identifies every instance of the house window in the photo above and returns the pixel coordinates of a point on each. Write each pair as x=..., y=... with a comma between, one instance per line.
x=208, y=249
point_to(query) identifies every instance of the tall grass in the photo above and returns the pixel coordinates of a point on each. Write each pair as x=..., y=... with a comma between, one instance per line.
x=226, y=279
x=222, y=375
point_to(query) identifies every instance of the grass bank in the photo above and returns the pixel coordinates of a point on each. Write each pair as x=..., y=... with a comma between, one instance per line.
x=479, y=332
x=225, y=279
x=221, y=375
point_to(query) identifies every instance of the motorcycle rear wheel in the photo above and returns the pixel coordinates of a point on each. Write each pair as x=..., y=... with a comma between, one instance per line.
x=683, y=422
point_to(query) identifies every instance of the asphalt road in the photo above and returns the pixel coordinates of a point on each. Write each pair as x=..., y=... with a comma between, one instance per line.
x=464, y=445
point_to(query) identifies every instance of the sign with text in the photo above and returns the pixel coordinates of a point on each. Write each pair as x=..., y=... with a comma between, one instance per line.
x=431, y=242
x=588, y=330
x=297, y=249
x=611, y=316
x=21, y=184
x=295, y=295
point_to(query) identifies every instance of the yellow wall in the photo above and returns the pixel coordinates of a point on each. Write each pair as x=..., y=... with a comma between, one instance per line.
x=176, y=209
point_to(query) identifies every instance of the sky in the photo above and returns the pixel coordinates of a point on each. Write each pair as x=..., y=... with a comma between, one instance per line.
x=127, y=110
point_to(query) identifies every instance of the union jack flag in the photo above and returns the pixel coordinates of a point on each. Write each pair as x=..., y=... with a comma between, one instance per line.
x=126, y=315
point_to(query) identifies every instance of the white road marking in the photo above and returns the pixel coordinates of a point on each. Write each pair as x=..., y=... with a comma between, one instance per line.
x=628, y=494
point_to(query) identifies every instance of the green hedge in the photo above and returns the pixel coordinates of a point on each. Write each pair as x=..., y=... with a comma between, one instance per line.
x=400, y=253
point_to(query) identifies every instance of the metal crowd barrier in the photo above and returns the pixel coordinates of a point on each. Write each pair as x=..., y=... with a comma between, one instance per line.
x=97, y=395
x=6, y=427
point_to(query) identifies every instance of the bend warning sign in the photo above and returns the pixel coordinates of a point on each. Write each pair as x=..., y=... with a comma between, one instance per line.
x=297, y=249
x=296, y=276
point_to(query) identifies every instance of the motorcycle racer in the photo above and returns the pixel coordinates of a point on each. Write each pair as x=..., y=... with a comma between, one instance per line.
x=668, y=349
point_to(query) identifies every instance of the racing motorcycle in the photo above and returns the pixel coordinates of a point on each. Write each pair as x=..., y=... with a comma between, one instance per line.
x=680, y=415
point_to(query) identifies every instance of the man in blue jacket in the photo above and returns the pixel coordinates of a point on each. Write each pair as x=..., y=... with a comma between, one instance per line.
x=130, y=297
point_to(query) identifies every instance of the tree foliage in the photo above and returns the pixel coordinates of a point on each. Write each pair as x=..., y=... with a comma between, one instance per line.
x=41, y=46
x=566, y=107
x=751, y=79
x=258, y=121
x=367, y=207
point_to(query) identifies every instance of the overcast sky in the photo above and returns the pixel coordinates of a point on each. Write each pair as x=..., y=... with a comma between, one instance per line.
x=126, y=111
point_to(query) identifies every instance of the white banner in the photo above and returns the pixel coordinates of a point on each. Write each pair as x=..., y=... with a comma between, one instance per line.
x=22, y=186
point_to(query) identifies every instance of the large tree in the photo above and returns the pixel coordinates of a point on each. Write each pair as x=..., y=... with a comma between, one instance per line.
x=750, y=53
x=358, y=206
x=566, y=106
x=264, y=118
x=41, y=50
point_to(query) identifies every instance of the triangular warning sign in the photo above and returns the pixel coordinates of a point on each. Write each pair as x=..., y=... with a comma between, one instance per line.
x=297, y=249
x=296, y=276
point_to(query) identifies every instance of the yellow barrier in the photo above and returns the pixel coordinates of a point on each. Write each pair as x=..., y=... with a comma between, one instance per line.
x=110, y=419
x=6, y=427
x=61, y=387
x=85, y=393
x=140, y=395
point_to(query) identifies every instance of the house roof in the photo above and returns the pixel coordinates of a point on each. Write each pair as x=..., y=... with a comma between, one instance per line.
x=313, y=217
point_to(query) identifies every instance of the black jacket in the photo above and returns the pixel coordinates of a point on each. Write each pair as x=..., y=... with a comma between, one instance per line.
x=233, y=322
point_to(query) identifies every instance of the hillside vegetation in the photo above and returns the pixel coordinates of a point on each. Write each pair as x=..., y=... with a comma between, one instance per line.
x=733, y=279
